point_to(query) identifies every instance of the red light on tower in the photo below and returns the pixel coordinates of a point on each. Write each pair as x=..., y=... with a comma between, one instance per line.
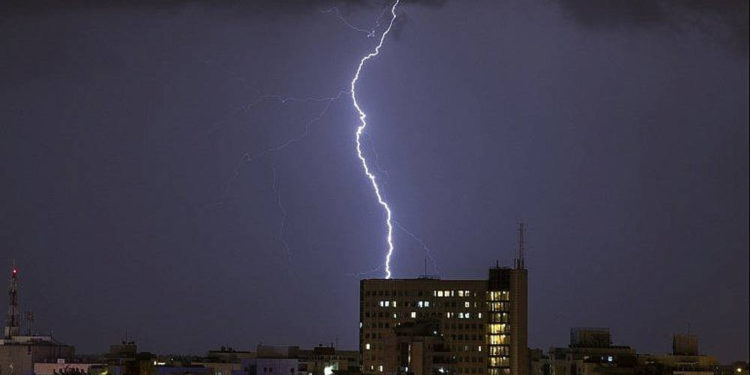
x=15, y=270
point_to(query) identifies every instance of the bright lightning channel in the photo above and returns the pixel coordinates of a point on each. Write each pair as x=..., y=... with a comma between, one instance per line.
x=361, y=129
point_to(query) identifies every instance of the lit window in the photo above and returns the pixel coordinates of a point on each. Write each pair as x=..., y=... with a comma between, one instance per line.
x=413, y=314
x=367, y=346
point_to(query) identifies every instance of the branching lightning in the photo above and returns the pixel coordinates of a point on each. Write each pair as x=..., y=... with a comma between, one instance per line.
x=360, y=131
x=369, y=32
x=427, y=250
x=362, y=140
x=248, y=158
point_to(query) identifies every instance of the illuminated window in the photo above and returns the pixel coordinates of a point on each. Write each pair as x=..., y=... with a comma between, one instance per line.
x=367, y=346
x=413, y=314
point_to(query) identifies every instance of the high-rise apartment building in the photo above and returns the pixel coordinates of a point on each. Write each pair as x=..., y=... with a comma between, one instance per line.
x=430, y=326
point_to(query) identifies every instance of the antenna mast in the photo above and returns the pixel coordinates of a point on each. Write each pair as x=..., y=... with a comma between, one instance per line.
x=521, y=245
x=13, y=322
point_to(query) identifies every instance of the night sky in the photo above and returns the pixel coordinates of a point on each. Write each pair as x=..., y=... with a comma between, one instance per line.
x=152, y=179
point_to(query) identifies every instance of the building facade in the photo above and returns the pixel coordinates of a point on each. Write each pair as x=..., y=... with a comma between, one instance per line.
x=430, y=326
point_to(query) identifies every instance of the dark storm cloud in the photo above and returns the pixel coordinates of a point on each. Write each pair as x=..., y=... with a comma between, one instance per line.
x=724, y=21
x=273, y=6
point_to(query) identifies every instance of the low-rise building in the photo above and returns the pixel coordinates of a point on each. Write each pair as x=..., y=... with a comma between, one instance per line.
x=684, y=359
x=591, y=352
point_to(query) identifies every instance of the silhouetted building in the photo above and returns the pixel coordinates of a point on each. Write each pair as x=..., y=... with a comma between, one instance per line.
x=590, y=352
x=684, y=344
x=684, y=359
x=539, y=363
x=590, y=338
x=288, y=360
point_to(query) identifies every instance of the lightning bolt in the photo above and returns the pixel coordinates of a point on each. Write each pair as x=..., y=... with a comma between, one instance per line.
x=360, y=131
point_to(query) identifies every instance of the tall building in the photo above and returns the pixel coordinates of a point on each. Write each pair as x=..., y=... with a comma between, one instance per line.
x=430, y=326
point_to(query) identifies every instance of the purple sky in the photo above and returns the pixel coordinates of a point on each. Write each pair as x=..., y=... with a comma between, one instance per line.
x=137, y=192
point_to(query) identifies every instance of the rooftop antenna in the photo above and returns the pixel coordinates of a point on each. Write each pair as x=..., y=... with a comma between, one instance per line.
x=13, y=321
x=521, y=244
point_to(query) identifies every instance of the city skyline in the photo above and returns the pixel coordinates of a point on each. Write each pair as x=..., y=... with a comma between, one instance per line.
x=186, y=171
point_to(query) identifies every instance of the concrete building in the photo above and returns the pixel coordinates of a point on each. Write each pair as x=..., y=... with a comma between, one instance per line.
x=591, y=352
x=66, y=368
x=430, y=326
x=326, y=360
x=684, y=359
x=275, y=360
x=19, y=353
x=227, y=361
